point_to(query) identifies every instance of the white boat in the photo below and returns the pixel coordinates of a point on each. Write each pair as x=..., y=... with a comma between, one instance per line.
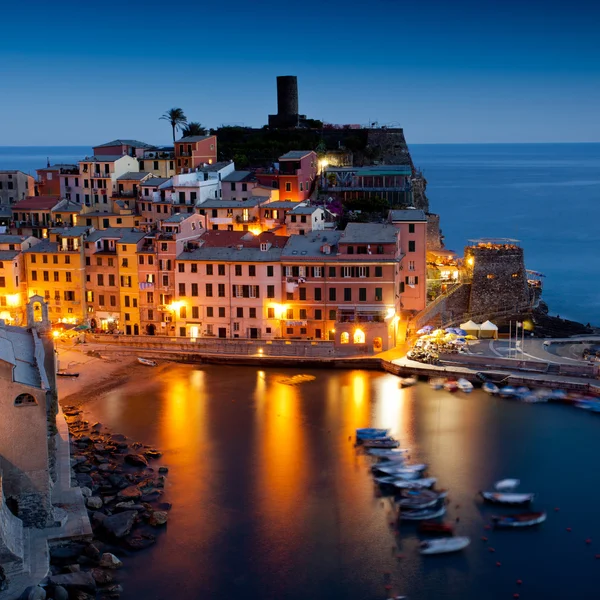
x=490, y=388
x=421, y=515
x=500, y=498
x=408, y=381
x=387, y=452
x=464, y=385
x=521, y=520
x=437, y=383
x=507, y=485
x=400, y=469
x=444, y=545
x=146, y=362
x=508, y=391
x=401, y=484
x=522, y=392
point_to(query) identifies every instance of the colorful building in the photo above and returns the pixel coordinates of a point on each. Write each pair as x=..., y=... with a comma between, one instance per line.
x=51, y=180
x=294, y=176
x=195, y=151
x=302, y=219
x=15, y=186
x=158, y=161
x=133, y=148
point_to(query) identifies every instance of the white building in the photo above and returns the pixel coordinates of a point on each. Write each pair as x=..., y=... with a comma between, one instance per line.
x=192, y=189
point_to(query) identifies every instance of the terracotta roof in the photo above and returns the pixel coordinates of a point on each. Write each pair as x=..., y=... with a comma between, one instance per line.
x=36, y=203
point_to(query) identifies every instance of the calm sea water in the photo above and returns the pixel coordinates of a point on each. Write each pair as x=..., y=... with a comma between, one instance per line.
x=271, y=499
x=546, y=195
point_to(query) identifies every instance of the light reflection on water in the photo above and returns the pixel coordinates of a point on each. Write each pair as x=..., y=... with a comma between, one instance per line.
x=271, y=499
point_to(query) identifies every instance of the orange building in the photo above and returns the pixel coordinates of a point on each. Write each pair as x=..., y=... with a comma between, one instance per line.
x=194, y=151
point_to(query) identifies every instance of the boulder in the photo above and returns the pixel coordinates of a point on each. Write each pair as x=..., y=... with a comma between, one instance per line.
x=151, y=497
x=91, y=551
x=140, y=542
x=72, y=582
x=131, y=505
x=60, y=593
x=80, y=595
x=72, y=569
x=105, y=467
x=160, y=482
x=102, y=577
x=110, y=561
x=34, y=592
x=151, y=454
x=158, y=518
x=114, y=589
x=120, y=525
x=94, y=502
x=137, y=460
x=118, y=481
x=85, y=491
x=61, y=555
x=83, y=479
x=99, y=447
x=130, y=493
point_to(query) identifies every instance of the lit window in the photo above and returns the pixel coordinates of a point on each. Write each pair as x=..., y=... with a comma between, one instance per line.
x=359, y=336
x=345, y=338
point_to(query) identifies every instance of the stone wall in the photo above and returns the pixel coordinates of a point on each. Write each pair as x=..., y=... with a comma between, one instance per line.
x=434, y=233
x=498, y=278
x=419, y=189
x=445, y=308
x=388, y=146
x=11, y=535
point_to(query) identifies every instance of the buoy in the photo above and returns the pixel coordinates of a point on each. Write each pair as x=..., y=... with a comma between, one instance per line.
x=483, y=538
x=519, y=581
x=498, y=564
x=490, y=549
x=569, y=529
x=588, y=541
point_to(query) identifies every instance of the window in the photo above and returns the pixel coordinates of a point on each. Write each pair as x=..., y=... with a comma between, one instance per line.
x=345, y=338
x=238, y=270
x=2, y=282
x=288, y=187
x=362, y=294
x=244, y=187
x=194, y=289
x=111, y=280
x=54, y=259
x=209, y=290
x=359, y=337
x=270, y=313
x=127, y=303
x=301, y=186
x=209, y=269
x=125, y=263
x=289, y=313
x=46, y=276
x=87, y=261
x=239, y=312
x=347, y=294
x=270, y=291
x=252, y=270
x=350, y=250
x=25, y=399
x=150, y=297
x=289, y=330
x=515, y=275
x=56, y=276
x=221, y=270
x=412, y=280
x=411, y=265
x=113, y=300
x=289, y=296
x=209, y=311
x=150, y=315
x=221, y=290
x=346, y=271
x=100, y=279
x=412, y=246
x=221, y=312
x=318, y=314
x=293, y=218
x=317, y=271
x=68, y=276
x=332, y=295
x=151, y=260
x=101, y=299
x=302, y=293
x=182, y=289
x=411, y=228
x=332, y=315
x=181, y=267
x=269, y=270
x=194, y=268
x=33, y=276
x=331, y=271
x=378, y=271
x=67, y=260
x=236, y=326
x=252, y=313
x=99, y=261
x=45, y=259
x=378, y=294
x=183, y=312
x=195, y=312
x=303, y=314
x=69, y=296
x=363, y=271
x=379, y=249
x=491, y=276
x=33, y=258
x=126, y=280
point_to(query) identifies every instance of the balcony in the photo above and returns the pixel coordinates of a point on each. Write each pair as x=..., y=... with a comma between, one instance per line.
x=126, y=194
x=348, y=316
x=184, y=154
x=100, y=175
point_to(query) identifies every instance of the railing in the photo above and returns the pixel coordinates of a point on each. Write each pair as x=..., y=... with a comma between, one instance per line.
x=184, y=154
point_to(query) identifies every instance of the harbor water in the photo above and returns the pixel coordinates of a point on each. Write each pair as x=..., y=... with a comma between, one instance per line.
x=272, y=500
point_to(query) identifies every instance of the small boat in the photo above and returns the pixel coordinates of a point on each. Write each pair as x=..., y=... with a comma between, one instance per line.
x=369, y=433
x=65, y=374
x=417, y=503
x=444, y=545
x=387, y=453
x=522, y=392
x=408, y=381
x=422, y=515
x=386, y=442
x=436, y=383
x=464, y=385
x=506, y=485
x=147, y=362
x=400, y=469
x=490, y=388
x=423, y=493
x=500, y=498
x=402, y=484
x=557, y=395
x=451, y=386
x=520, y=520
x=508, y=391
x=439, y=528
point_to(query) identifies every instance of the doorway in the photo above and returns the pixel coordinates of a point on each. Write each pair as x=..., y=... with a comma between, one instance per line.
x=253, y=333
x=222, y=332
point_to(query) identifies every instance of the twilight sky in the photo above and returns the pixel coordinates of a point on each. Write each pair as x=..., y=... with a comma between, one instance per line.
x=462, y=71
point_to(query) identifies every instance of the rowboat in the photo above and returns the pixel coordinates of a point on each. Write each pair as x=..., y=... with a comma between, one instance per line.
x=451, y=386
x=423, y=493
x=420, y=500
x=421, y=515
x=386, y=442
x=506, y=485
x=398, y=469
x=464, y=385
x=522, y=392
x=500, y=498
x=147, y=362
x=439, y=528
x=370, y=433
x=508, y=391
x=490, y=388
x=387, y=453
x=444, y=545
x=520, y=520
x=408, y=381
x=401, y=484
x=436, y=383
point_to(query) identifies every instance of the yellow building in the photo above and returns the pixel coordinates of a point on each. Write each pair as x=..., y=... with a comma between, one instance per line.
x=55, y=270
x=158, y=161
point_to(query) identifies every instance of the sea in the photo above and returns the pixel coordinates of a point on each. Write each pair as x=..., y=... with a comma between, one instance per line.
x=272, y=500
x=545, y=195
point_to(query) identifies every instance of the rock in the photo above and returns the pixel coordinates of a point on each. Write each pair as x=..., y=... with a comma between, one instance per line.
x=130, y=493
x=106, y=467
x=83, y=479
x=151, y=454
x=97, y=425
x=165, y=506
x=160, y=482
x=151, y=497
x=110, y=561
x=108, y=499
x=137, y=460
x=131, y=505
x=74, y=582
x=158, y=518
x=60, y=593
x=98, y=518
x=94, y=502
x=118, y=481
x=99, y=447
x=138, y=542
x=85, y=491
x=34, y=592
x=102, y=577
x=91, y=551
x=163, y=469
x=72, y=569
x=115, y=589
x=120, y=525
x=84, y=439
x=61, y=555
x=80, y=595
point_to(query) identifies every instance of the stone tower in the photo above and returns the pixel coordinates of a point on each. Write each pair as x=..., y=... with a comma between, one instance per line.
x=497, y=271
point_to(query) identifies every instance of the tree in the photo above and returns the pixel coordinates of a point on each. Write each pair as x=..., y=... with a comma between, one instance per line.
x=193, y=128
x=176, y=117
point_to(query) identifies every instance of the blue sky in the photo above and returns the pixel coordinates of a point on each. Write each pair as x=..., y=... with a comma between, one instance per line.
x=462, y=71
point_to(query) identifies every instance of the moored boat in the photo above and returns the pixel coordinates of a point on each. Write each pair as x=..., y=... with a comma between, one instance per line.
x=408, y=381
x=426, y=482
x=436, y=383
x=417, y=503
x=422, y=515
x=490, y=388
x=501, y=498
x=508, y=391
x=464, y=385
x=146, y=362
x=400, y=469
x=444, y=545
x=522, y=392
x=505, y=485
x=451, y=385
x=519, y=520
x=368, y=433
x=438, y=528
x=387, y=453
x=386, y=442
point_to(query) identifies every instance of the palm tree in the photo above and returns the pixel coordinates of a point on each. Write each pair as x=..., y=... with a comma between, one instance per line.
x=193, y=128
x=176, y=117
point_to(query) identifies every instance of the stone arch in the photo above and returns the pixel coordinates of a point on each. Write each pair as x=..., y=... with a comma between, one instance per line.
x=37, y=313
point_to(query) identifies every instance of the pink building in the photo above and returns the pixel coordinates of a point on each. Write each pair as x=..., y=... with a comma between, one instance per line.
x=412, y=225
x=154, y=203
